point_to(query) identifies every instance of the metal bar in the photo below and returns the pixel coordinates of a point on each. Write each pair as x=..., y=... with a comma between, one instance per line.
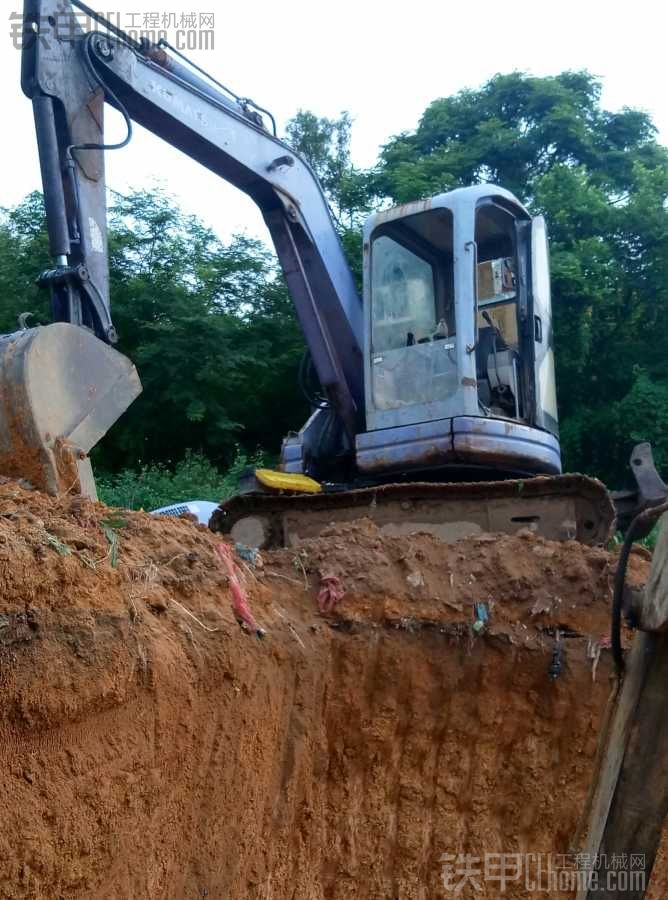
x=160, y=56
x=52, y=180
x=69, y=112
x=315, y=329
x=101, y=20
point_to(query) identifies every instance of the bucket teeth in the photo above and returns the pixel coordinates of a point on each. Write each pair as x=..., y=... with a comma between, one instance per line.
x=61, y=389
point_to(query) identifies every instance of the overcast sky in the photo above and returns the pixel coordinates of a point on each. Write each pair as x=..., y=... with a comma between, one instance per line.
x=384, y=62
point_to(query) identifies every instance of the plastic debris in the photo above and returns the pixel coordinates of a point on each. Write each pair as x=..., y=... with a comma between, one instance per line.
x=557, y=664
x=330, y=594
x=415, y=579
x=239, y=598
x=481, y=612
x=594, y=655
x=251, y=555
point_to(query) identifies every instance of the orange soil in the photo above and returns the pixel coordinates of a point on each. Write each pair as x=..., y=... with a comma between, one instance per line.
x=151, y=748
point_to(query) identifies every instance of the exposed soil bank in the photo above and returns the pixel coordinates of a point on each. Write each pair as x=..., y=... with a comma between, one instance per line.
x=151, y=748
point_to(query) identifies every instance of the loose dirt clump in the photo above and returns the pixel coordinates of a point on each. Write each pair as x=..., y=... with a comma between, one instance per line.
x=448, y=703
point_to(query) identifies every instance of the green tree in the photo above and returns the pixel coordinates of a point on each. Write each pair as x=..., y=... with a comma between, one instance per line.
x=155, y=484
x=601, y=179
x=24, y=253
x=212, y=332
x=209, y=326
x=325, y=144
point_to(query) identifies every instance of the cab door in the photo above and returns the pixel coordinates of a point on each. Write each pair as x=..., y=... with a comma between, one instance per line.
x=540, y=320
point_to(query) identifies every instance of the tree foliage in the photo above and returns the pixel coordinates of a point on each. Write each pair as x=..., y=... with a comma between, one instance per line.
x=24, y=253
x=209, y=326
x=193, y=478
x=325, y=144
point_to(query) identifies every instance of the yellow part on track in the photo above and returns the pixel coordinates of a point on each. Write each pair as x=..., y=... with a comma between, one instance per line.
x=286, y=481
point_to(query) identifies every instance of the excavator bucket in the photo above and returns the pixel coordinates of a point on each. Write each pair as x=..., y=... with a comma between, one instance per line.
x=61, y=389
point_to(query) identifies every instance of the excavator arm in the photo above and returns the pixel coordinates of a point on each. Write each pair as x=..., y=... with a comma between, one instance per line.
x=70, y=74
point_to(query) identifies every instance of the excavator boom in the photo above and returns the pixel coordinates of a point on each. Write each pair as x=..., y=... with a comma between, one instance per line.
x=69, y=74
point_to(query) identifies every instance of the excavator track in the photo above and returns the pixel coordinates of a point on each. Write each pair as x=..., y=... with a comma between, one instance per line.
x=561, y=507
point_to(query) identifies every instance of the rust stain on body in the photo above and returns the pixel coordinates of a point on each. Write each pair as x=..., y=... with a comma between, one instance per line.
x=404, y=209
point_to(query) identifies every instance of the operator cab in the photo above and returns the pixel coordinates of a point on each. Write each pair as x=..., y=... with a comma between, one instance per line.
x=458, y=335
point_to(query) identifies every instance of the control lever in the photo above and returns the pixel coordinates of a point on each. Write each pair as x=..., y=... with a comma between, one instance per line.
x=486, y=316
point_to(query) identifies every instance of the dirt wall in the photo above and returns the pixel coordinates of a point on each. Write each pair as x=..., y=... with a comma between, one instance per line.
x=152, y=748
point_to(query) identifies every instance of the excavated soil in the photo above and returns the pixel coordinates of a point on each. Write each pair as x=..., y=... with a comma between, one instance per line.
x=153, y=748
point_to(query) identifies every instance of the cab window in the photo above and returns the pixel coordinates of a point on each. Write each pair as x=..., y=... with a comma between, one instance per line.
x=496, y=275
x=404, y=296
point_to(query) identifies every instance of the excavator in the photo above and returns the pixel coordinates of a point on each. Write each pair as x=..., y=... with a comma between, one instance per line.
x=433, y=395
